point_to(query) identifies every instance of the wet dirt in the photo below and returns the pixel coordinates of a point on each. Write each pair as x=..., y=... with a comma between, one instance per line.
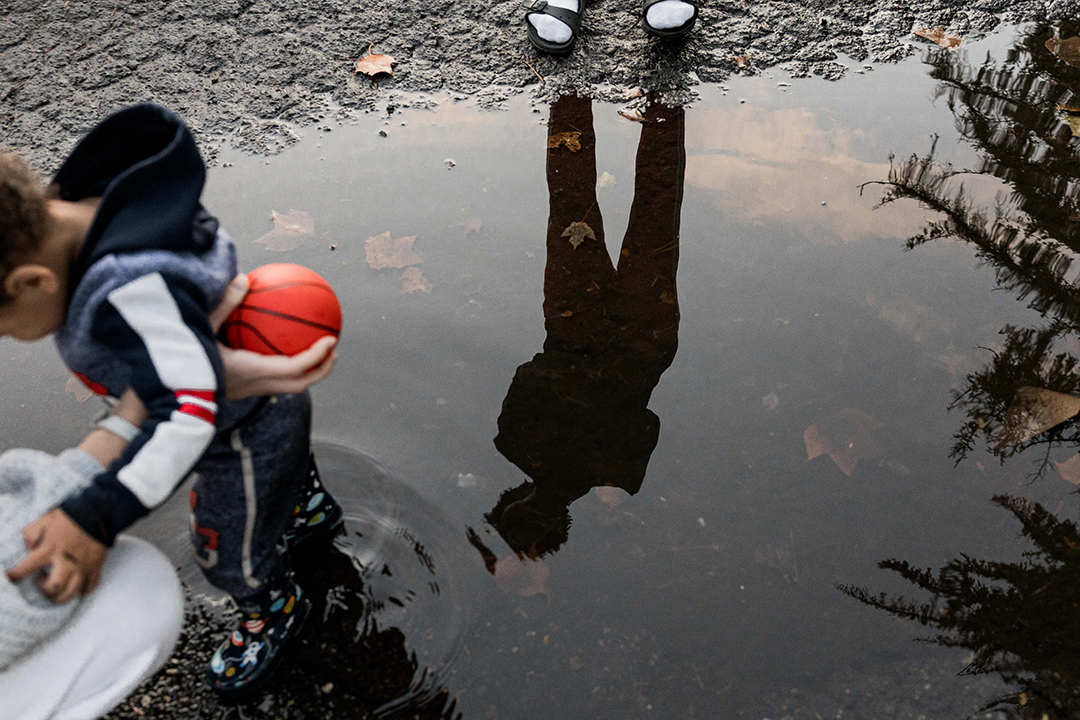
x=244, y=73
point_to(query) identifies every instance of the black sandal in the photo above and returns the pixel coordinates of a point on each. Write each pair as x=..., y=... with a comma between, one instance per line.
x=667, y=32
x=571, y=18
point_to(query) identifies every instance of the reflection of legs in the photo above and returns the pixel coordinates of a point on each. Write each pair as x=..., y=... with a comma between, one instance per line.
x=650, y=251
x=574, y=278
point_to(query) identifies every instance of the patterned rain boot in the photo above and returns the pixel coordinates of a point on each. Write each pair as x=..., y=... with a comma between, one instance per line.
x=247, y=658
x=316, y=513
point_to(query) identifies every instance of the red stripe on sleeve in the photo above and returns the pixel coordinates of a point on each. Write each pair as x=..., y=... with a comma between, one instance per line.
x=198, y=411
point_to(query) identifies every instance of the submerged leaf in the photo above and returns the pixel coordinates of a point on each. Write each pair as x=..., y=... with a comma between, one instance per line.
x=76, y=386
x=291, y=230
x=523, y=577
x=610, y=496
x=939, y=36
x=1066, y=50
x=606, y=180
x=413, y=280
x=577, y=232
x=571, y=140
x=1035, y=410
x=384, y=252
x=471, y=225
x=1070, y=469
x=375, y=64
x=846, y=437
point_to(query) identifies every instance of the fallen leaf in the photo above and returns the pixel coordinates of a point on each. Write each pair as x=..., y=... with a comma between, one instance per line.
x=375, y=64
x=577, y=232
x=1070, y=469
x=571, y=140
x=634, y=93
x=846, y=437
x=742, y=61
x=1073, y=121
x=76, y=386
x=771, y=401
x=634, y=115
x=939, y=36
x=382, y=252
x=413, y=280
x=606, y=180
x=610, y=496
x=291, y=230
x=1066, y=50
x=522, y=577
x=472, y=225
x=1035, y=410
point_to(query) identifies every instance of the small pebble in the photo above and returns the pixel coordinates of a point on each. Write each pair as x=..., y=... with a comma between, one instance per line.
x=382, y=133
x=823, y=203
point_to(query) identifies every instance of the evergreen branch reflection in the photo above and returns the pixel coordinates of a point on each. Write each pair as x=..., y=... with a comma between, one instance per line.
x=1011, y=114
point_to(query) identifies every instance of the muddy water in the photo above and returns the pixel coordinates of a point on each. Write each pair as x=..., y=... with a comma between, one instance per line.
x=625, y=479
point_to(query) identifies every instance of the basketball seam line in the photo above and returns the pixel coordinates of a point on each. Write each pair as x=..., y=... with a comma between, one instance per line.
x=293, y=318
x=255, y=330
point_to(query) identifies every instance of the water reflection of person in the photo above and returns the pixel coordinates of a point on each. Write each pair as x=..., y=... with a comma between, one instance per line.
x=576, y=416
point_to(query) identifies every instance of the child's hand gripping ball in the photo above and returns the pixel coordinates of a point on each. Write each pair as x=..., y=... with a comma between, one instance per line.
x=287, y=308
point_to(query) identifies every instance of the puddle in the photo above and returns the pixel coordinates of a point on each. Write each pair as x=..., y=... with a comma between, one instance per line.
x=631, y=489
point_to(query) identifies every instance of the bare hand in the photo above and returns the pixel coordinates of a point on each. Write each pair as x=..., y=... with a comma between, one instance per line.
x=249, y=374
x=73, y=557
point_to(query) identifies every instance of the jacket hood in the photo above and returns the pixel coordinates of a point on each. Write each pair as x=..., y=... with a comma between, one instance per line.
x=144, y=164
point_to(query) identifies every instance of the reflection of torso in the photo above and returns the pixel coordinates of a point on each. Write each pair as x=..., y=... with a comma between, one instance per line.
x=578, y=421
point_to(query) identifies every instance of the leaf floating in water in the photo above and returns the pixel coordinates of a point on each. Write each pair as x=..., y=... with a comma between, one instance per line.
x=76, y=386
x=771, y=401
x=375, y=64
x=610, y=496
x=577, y=232
x=384, y=252
x=939, y=36
x=571, y=140
x=471, y=225
x=606, y=180
x=523, y=577
x=1035, y=410
x=634, y=115
x=1070, y=469
x=291, y=230
x=1066, y=50
x=413, y=280
x=846, y=437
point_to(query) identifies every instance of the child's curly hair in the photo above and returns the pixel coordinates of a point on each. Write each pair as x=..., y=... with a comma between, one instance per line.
x=23, y=213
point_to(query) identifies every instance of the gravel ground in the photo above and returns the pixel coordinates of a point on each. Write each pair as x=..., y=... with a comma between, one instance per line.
x=245, y=72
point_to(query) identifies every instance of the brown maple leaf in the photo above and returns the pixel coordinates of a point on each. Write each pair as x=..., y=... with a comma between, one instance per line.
x=939, y=36
x=413, y=280
x=384, y=252
x=291, y=230
x=742, y=61
x=375, y=64
x=846, y=437
x=571, y=140
x=1066, y=50
x=577, y=232
x=1070, y=469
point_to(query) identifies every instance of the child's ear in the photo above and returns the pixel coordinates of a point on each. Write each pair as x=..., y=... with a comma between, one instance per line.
x=31, y=278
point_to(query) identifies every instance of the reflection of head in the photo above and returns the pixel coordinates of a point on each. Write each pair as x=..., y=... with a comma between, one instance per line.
x=528, y=522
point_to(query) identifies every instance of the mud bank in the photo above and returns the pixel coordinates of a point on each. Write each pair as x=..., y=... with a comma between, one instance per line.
x=245, y=73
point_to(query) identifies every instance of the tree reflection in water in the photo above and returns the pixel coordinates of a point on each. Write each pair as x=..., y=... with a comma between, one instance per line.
x=1019, y=619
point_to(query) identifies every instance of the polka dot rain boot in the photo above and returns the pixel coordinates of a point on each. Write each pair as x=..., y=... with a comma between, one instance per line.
x=316, y=513
x=268, y=620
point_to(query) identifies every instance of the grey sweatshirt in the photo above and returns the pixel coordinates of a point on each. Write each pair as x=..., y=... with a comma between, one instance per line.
x=32, y=483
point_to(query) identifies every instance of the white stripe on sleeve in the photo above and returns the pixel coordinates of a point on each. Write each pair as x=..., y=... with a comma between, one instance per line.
x=179, y=359
x=158, y=466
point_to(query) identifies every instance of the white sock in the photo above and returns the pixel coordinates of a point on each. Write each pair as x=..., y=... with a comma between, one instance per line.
x=556, y=31
x=669, y=14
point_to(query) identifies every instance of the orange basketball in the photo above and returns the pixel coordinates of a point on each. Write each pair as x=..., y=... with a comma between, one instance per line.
x=286, y=309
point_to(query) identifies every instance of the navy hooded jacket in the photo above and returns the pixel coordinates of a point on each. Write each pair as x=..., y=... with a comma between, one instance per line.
x=152, y=267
